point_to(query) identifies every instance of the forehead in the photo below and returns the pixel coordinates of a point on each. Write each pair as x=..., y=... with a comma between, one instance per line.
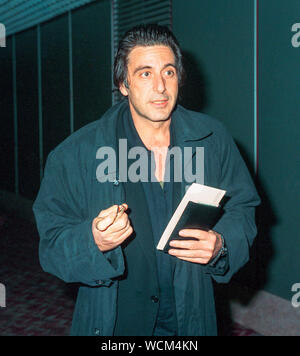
x=158, y=55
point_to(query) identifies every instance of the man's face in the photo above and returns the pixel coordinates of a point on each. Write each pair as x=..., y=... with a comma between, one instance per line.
x=153, y=83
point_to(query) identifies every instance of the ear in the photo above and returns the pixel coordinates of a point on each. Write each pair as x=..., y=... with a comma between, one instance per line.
x=123, y=89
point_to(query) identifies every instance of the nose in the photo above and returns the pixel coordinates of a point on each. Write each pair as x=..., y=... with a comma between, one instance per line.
x=159, y=84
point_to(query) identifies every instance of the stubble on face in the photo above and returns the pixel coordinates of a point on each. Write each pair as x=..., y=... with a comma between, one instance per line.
x=152, y=84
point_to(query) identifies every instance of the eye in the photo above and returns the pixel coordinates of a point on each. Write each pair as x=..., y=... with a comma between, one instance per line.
x=170, y=73
x=145, y=74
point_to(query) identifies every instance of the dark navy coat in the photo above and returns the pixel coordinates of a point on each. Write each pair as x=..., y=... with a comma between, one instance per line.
x=71, y=196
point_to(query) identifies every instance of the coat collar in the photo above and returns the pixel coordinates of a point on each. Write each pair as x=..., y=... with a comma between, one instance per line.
x=189, y=126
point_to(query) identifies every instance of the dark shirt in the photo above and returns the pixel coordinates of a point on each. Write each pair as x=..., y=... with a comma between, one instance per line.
x=160, y=204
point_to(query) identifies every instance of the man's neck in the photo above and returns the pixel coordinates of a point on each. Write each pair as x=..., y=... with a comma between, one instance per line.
x=153, y=134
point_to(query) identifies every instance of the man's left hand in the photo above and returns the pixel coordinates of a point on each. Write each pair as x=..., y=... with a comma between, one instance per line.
x=202, y=250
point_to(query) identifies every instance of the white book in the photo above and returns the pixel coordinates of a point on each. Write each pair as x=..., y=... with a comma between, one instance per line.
x=199, y=208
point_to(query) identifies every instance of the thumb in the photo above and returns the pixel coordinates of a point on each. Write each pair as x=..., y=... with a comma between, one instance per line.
x=112, y=209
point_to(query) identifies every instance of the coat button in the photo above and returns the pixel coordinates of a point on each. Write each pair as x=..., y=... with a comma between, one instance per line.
x=116, y=183
x=97, y=331
x=154, y=299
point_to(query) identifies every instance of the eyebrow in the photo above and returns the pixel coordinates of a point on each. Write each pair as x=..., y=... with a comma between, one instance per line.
x=137, y=69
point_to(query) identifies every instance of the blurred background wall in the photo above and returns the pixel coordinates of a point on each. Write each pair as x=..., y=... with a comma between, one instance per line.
x=243, y=65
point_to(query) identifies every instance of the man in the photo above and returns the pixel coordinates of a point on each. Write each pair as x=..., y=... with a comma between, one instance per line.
x=102, y=231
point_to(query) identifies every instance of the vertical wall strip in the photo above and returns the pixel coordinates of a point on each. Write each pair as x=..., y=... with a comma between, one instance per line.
x=71, y=72
x=15, y=104
x=171, y=15
x=255, y=58
x=40, y=102
x=112, y=37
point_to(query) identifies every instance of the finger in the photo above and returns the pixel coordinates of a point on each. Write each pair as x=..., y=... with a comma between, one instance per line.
x=204, y=245
x=108, y=216
x=185, y=244
x=122, y=209
x=195, y=233
x=199, y=260
x=115, y=210
x=190, y=253
x=124, y=205
x=118, y=227
x=103, y=224
x=111, y=210
x=125, y=235
x=110, y=240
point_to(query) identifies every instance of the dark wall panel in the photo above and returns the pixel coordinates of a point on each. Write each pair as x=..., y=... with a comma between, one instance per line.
x=217, y=41
x=7, y=169
x=27, y=103
x=55, y=82
x=218, y=38
x=279, y=127
x=91, y=35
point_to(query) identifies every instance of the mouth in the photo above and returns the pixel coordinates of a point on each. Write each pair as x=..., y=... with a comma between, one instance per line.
x=160, y=103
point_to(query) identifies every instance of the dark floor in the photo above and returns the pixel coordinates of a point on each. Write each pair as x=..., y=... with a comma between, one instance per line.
x=37, y=303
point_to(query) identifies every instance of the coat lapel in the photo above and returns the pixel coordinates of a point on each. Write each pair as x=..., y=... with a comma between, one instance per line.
x=189, y=135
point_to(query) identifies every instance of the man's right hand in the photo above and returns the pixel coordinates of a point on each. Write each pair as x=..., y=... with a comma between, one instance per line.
x=110, y=229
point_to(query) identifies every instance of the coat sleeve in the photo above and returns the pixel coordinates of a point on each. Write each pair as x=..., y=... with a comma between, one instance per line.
x=237, y=225
x=67, y=248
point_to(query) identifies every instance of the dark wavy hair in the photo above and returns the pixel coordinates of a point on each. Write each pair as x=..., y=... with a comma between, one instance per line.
x=145, y=35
